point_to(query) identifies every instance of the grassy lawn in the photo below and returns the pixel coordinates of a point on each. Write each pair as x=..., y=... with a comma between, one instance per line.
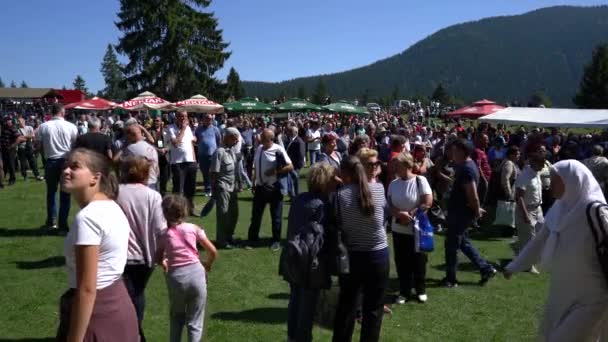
x=247, y=299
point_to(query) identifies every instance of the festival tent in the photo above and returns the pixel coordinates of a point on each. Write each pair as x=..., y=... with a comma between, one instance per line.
x=298, y=105
x=550, y=117
x=476, y=110
x=346, y=108
x=145, y=100
x=199, y=104
x=96, y=103
x=247, y=105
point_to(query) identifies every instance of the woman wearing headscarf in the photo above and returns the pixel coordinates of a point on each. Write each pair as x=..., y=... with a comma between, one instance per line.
x=577, y=307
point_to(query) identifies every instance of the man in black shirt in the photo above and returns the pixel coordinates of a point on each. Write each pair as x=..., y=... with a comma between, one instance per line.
x=463, y=208
x=8, y=144
x=94, y=140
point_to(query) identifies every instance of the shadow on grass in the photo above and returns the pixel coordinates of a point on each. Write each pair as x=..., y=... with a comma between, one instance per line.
x=246, y=199
x=491, y=233
x=22, y=232
x=260, y=315
x=56, y=261
x=462, y=267
x=281, y=296
x=437, y=283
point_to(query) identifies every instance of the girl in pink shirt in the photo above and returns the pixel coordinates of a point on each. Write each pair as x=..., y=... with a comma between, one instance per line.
x=186, y=275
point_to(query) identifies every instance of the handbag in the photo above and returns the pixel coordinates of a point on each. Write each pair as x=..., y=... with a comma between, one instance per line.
x=341, y=258
x=505, y=214
x=423, y=229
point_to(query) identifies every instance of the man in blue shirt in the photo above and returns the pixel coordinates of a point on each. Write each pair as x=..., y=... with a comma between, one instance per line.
x=208, y=137
x=463, y=208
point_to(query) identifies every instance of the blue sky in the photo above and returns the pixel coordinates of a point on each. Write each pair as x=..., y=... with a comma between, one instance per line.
x=47, y=43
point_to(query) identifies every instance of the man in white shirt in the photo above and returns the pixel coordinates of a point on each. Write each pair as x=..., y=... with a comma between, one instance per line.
x=313, y=138
x=182, y=158
x=528, y=200
x=271, y=164
x=56, y=137
x=139, y=147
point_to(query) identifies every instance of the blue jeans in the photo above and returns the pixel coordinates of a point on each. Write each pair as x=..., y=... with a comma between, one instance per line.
x=261, y=197
x=52, y=173
x=136, y=279
x=457, y=238
x=314, y=155
x=294, y=176
x=301, y=312
x=204, y=163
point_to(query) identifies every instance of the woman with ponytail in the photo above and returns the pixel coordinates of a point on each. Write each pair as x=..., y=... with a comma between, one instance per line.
x=360, y=207
x=97, y=306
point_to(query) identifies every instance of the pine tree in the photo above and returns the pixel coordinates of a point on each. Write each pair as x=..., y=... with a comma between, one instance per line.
x=113, y=76
x=540, y=98
x=320, y=94
x=173, y=47
x=234, y=87
x=440, y=95
x=302, y=93
x=80, y=84
x=13, y=84
x=1, y=83
x=593, y=91
x=395, y=93
x=24, y=85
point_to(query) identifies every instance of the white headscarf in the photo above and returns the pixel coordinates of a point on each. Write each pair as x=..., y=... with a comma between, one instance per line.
x=569, y=210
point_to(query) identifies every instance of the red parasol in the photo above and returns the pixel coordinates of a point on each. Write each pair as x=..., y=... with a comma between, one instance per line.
x=145, y=100
x=476, y=110
x=200, y=104
x=96, y=103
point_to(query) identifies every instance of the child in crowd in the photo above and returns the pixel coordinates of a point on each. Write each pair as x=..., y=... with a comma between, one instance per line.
x=185, y=274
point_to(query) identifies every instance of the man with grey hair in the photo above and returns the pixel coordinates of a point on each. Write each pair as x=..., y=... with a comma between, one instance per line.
x=598, y=164
x=224, y=191
x=138, y=147
x=94, y=139
x=271, y=165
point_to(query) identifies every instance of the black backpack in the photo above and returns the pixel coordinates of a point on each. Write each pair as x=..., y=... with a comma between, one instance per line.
x=599, y=232
x=304, y=264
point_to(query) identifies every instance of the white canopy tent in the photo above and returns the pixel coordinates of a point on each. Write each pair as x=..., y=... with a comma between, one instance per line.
x=550, y=117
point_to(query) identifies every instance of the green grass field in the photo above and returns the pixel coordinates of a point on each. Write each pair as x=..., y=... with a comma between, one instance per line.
x=247, y=299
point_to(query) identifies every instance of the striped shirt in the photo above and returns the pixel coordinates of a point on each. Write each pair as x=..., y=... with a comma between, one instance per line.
x=363, y=233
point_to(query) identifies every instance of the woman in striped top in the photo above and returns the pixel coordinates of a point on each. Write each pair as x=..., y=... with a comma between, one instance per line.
x=361, y=208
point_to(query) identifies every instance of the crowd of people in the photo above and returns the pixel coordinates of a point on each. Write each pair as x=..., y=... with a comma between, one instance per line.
x=368, y=178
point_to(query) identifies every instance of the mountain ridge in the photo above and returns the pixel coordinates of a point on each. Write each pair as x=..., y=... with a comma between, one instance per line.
x=506, y=58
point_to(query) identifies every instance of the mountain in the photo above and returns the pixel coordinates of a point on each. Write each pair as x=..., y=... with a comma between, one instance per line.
x=502, y=58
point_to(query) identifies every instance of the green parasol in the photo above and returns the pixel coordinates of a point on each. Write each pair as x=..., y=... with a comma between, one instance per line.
x=247, y=105
x=298, y=105
x=346, y=108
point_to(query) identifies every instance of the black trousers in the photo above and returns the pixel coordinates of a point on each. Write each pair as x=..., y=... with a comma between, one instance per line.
x=266, y=195
x=26, y=157
x=411, y=266
x=136, y=279
x=9, y=157
x=184, y=179
x=164, y=173
x=371, y=278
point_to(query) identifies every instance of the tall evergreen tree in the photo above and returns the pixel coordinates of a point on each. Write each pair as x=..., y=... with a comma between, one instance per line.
x=13, y=84
x=302, y=93
x=234, y=87
x=540, y=98
x=593, y=91
x=173, y=47
x=1, y=83
x=320, y=94
x=80, y=84
x=440, y=94
x=395, y=93
x=24, y=85
x=113, y=76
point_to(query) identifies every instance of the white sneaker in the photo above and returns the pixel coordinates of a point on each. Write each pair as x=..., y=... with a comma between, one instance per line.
x=400, y=300
x=423, y=298
x=534, y=271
